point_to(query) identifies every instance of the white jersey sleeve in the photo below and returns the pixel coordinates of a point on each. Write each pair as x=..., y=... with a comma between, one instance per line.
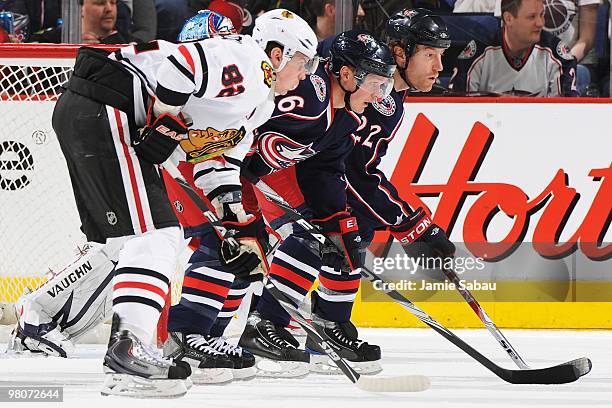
x=238, y=97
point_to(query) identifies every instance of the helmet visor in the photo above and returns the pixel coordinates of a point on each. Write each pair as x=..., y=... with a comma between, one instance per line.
x=301, y=61
x=379, y=85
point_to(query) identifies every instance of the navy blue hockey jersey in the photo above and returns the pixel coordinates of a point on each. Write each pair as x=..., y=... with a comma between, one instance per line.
x=305, y=124
x=372, y=197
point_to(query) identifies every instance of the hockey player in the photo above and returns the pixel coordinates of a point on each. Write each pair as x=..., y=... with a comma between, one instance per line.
x=197, y=323
x=417, y=38
x=300, y=153
x=73, y=300
x=360, y=74
x=226, y=85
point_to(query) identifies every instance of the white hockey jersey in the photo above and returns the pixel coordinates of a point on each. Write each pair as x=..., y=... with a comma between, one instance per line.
x=230, y=81
x=547, y=69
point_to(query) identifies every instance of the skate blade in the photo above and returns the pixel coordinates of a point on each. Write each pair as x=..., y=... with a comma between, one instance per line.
x=211, y=376
x=280, y=369
x=321, y=364
x=126, y=385
x=244, y=374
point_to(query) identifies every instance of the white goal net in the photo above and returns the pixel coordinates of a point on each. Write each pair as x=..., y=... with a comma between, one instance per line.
x=39, y=224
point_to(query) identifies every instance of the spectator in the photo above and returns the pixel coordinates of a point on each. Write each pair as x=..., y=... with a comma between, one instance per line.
x=324, y=12
x=98, y=22
x=139, y=20
x=474, y=6
x=575, y=22
x=171, y=14
x=323, y=17
x=522, y=58
x=35, y=20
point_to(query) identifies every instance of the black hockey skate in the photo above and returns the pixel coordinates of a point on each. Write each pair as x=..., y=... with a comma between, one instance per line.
x=243, y=360
x=135, y=369
x=209, y=366
x=362, y=356
x=275, y=349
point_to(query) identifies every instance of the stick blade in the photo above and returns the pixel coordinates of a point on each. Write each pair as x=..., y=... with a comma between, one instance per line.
x=560, y=374
x=406, y=383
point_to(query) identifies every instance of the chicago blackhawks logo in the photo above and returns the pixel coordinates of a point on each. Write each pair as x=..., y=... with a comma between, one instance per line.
x=287, y=14
x=202, y=144
x=268, y=72
x=279, y=152
x=386, y=106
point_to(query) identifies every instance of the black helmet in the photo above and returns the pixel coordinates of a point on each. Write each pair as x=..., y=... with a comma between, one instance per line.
x=418, y=26
x=361, y=50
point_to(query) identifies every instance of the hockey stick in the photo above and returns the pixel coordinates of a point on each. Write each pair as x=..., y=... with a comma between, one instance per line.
x=486, y=320
x=559, y=374
x=408, y=383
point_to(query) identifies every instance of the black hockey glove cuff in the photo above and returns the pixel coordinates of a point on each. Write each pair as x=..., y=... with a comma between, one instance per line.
x=346, y=254
x=247, y=260
x=156, y=141
x=421, y=237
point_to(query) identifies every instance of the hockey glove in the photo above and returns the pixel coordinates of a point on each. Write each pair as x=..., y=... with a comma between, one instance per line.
x=346, y=254
x=420, y=237
x=244, y=255
x=228, y=207
x=157, y=140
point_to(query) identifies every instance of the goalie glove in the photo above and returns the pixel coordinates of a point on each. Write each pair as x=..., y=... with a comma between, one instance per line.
x=160, y=137
x=420, y=237
x=345, y=254
x=245, y=247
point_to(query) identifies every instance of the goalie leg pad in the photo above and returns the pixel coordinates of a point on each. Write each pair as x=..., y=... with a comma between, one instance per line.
x=71, y=302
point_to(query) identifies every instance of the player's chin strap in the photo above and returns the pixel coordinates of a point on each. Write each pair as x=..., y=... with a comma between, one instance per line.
x=347, y=93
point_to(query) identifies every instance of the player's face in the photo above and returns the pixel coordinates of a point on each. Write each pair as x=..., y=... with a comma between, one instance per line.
x=424, y=66
x=371, y=89
x=525, y=29
x=295, y=70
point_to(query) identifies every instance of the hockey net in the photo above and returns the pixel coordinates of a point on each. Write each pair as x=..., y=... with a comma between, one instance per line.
x=39, y=223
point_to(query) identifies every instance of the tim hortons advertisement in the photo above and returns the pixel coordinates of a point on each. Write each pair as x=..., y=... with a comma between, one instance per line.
x=523, y=189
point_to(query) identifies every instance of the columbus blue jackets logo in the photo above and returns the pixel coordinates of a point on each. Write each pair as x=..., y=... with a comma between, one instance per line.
x=563, y=51
x=386, y=106
x=319, y=86
x=280, y=152
x=367, y=39
x=469, y=51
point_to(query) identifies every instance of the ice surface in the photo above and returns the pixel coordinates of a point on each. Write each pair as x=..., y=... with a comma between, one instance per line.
x=457, y=380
